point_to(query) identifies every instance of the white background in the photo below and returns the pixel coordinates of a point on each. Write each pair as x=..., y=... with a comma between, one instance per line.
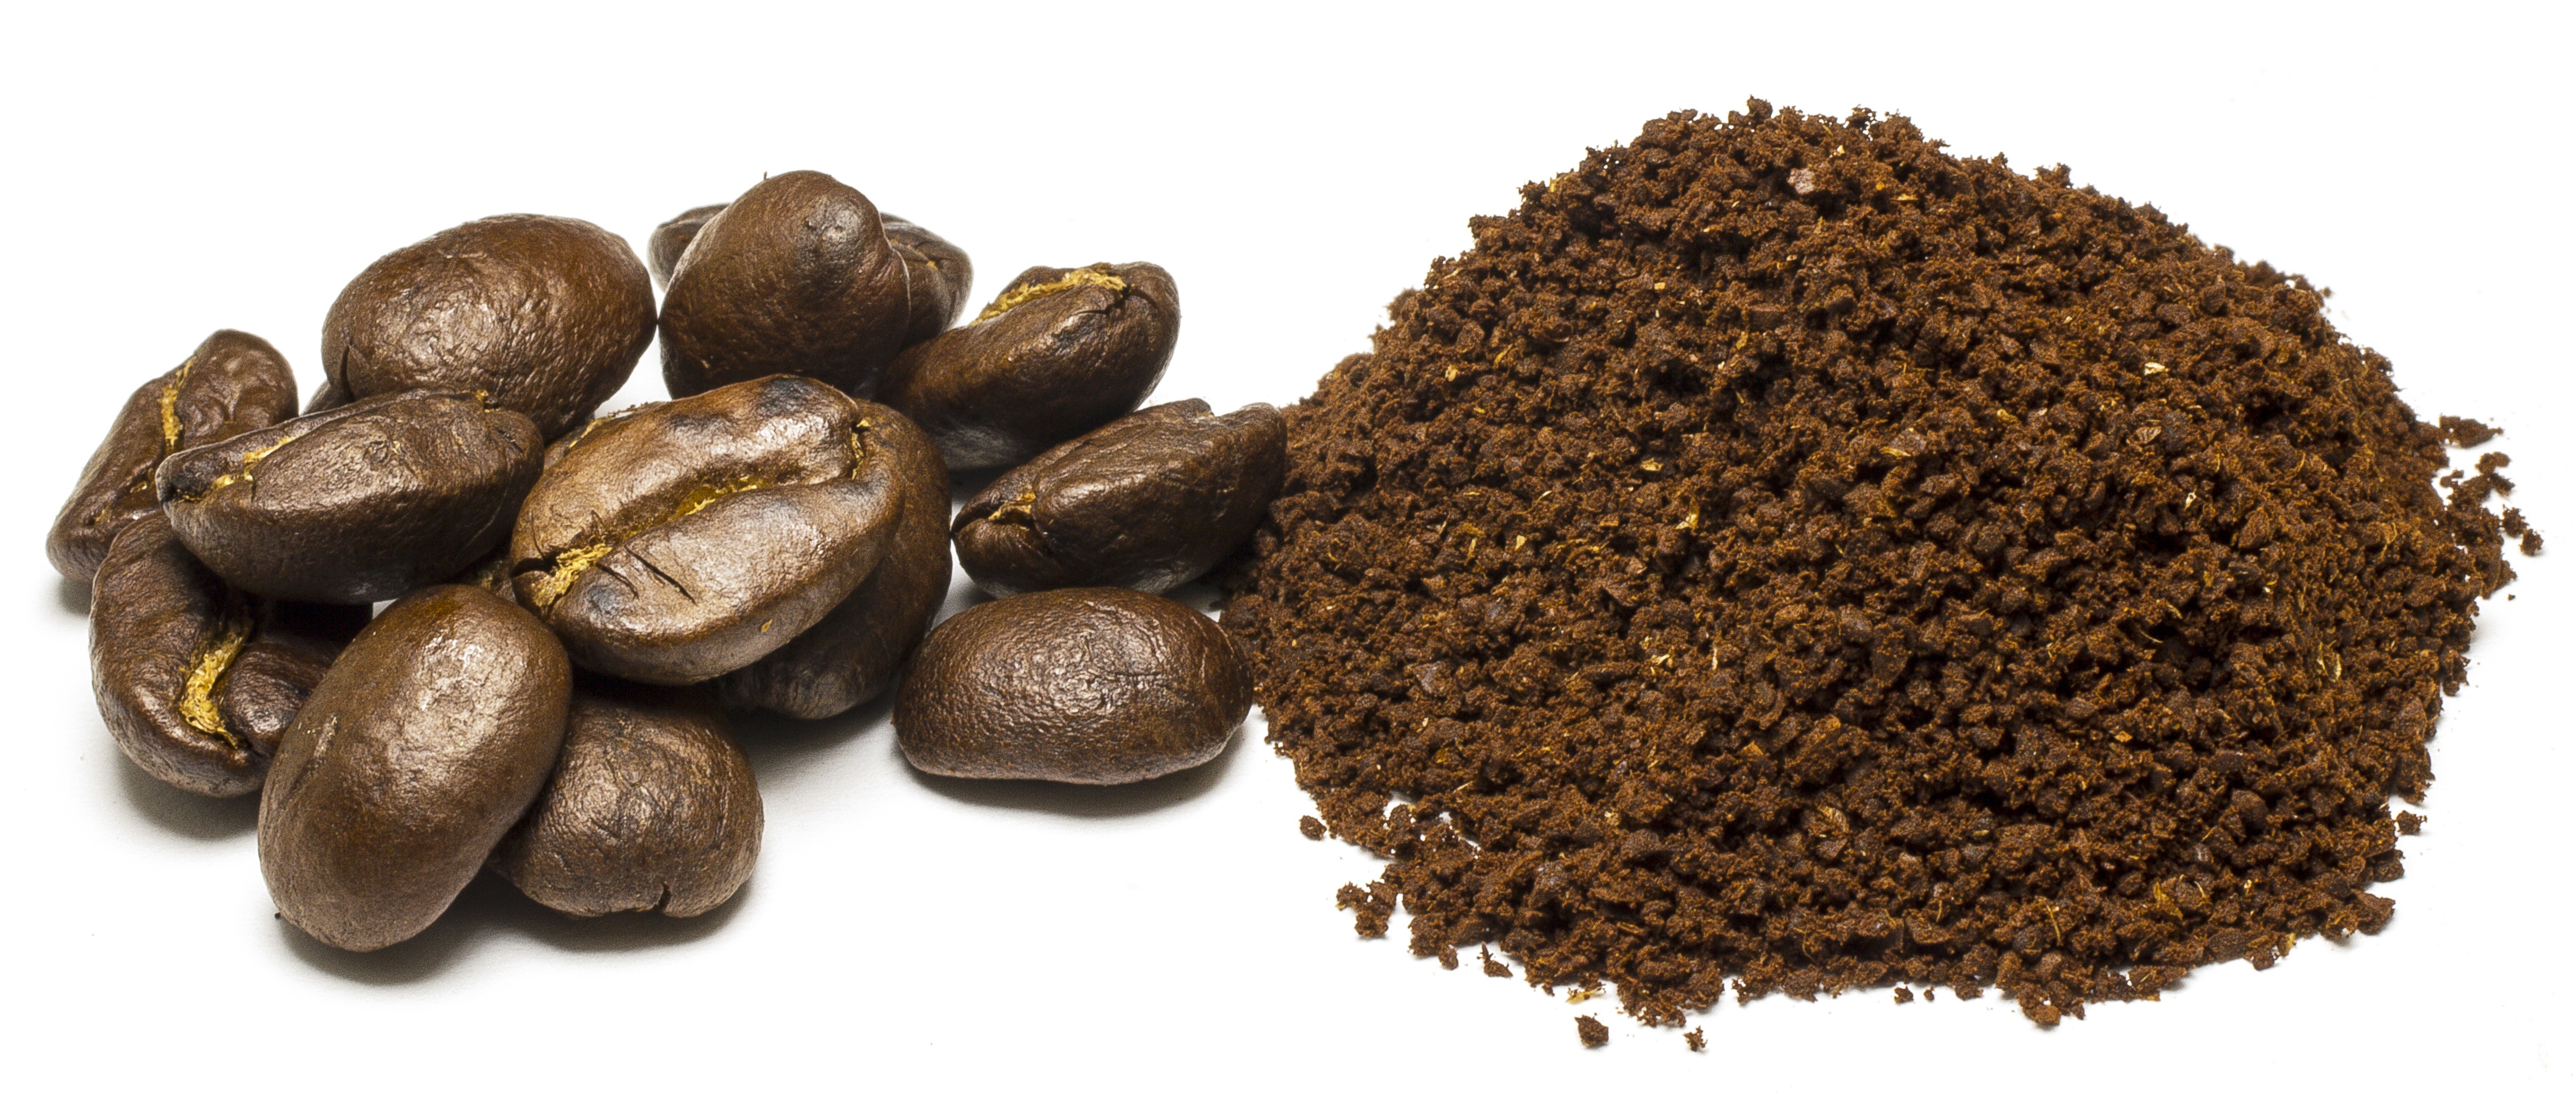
x=907, y=939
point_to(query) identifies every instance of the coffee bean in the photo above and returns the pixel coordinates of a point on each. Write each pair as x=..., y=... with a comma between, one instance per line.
x=941, y=277
x=671, y=239
x=197, y=680
x=544, y=316
x=684, y=540
x=421, y=747
x=1148, y=502
x=651, y=808
x=1060, y=352
x=359, y=503
x=796, y=276
x=234, y=383
x=852, y=654
x=1082, y=685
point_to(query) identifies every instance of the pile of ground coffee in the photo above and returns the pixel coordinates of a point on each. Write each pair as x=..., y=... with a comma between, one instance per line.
x=1786, y=553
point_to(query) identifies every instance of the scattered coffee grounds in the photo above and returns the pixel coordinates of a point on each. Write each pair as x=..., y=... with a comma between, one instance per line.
x=1784, y=553
x=1311, y=827
x=1697, y=1040
x=1589, y=1029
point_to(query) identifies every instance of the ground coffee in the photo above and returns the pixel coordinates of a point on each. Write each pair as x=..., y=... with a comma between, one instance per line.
x=1784, y=552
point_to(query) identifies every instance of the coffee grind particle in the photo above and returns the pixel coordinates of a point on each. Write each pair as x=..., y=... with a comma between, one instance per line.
x=1782, y=552
x=1590, y=1030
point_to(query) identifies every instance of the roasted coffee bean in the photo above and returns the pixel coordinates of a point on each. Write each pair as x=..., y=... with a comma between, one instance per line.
x=852, y=655
x=421, y=747
x=1148, y=502
x=1082, y=685
x=684, y=540
x=796, y=276
x=234, y=383
x=651, y=808
x=544, y=316
x=1060, y=352
x=940, y=276
x=671, y=239
x=356, y=504
x=197, y=680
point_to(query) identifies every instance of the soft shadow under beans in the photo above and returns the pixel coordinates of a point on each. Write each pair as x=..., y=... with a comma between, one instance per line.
x=490, y=907
x=1086, y=801
x=186, y=814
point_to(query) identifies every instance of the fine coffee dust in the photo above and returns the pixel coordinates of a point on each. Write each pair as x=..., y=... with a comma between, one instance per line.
x=1783, y=552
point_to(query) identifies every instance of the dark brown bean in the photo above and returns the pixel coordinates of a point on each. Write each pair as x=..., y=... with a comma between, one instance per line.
x=543, y=316
x=1148, y=502
x=852, y=654
x=796, y=276
x=356, y=504
x=1060, y=352
x=684, y=540
x=421, y=747
x=671, y=239
x=197, y=680
x=940, y=277
x=651, y=807
x=233, y=384
x=1081, y=685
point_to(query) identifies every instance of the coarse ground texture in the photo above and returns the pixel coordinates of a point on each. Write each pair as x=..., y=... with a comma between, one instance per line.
x=1782, y=552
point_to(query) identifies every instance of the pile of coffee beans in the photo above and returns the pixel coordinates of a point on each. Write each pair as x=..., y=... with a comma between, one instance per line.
x=577, y=603
x=1783, y=556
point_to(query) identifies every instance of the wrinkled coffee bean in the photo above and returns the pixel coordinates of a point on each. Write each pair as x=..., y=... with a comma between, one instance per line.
x=852, y=654
x=1148, y=502
x=796, y=276
x=356, y=504
x=670, y=240
x=651, y=807
x=543, y=316
x=684, y=540
x=233, y=384
x=1081, y=685
x=421, y=747
x=197, y=680
x=1060, y=352
x=940, y=277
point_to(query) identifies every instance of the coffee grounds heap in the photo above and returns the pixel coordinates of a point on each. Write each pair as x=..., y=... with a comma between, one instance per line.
x=1782, y=552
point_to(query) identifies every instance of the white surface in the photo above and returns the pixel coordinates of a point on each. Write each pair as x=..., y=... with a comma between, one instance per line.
x=910, y=940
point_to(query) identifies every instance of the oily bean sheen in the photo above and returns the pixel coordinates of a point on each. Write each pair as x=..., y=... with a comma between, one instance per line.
x=421, y=747
x=651, y=808
x=234, y=383
x=1060, y=352
x=795, y=276
x=360, y=503
x=683, y=540
x=543, y=316
x=197, y=680
x=940, y=276
x=671, y=239
x=1148, y=502
x=1082, y=685
x=853, y=653
x=937, y=273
